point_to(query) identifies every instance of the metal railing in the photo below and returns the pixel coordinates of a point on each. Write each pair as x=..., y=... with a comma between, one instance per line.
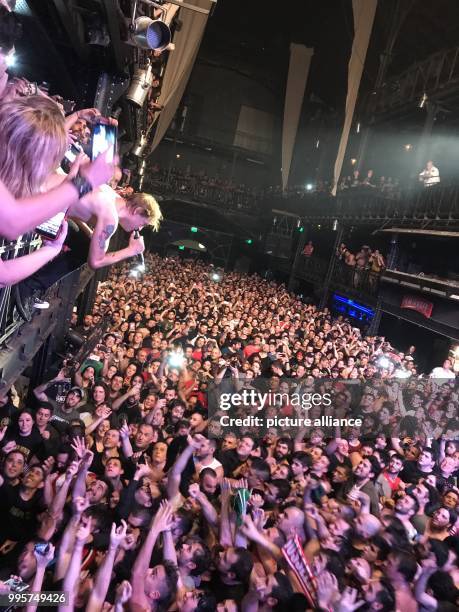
x=355, y=279
x=10, y=319
x=207, y=191
x=311, y=268
x=440, y=202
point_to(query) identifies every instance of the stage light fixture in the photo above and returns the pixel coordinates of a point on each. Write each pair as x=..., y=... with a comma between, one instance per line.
x=140, y=85
x=353, y=161
x=215, y=277
x=150, y=34
x=408, y=147
x=139, y=146
x=193, y=229
x=309, y=187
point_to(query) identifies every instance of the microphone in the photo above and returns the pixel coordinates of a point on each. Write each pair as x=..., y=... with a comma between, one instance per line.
x=140, y=255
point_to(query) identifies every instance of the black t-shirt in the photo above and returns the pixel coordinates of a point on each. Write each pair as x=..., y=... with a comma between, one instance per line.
x=224, y=591
x=29, y=445
x=230, y=461
x=19, y=517
x=411, y=473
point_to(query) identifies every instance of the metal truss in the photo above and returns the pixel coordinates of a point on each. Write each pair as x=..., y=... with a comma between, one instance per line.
x=437, y=77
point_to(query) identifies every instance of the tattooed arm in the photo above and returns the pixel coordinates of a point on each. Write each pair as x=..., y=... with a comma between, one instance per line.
x=107, y=222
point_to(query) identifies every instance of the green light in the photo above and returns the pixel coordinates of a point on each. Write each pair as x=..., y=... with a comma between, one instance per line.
x=301, y=230
x=249, y=241
x=181, y=248
x=193, y=229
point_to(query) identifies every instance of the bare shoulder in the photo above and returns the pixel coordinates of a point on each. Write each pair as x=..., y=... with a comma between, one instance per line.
x=101, y=203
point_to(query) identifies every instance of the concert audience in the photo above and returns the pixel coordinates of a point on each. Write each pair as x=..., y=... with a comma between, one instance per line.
x=122, y=487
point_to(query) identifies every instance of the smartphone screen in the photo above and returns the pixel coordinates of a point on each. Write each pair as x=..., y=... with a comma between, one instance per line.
x=50, y=228
x=103, y=138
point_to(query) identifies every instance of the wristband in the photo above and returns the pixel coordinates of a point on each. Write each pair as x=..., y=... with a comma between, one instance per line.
x=83, y=186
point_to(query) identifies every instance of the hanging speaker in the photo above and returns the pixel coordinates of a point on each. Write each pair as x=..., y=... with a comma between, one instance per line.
x=150, y=34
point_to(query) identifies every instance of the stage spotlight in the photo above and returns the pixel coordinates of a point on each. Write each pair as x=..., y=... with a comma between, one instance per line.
x=309, y=187
x=423, y=100
x=408, y=147
x=353, y=161
x=215, y=277
x=384, y=363
x=201, y=246
x=151, y=34
x=140, y=85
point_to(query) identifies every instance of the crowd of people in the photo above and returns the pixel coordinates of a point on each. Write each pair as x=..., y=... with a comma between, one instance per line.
x=201, y=187
x=122, y=486
x=138, y=480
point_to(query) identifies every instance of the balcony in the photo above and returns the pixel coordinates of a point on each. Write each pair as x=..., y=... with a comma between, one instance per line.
x=434, y=207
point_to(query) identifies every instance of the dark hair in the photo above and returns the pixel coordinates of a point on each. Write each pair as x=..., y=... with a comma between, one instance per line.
x=304, y=458
x=407, y=564
x=46, y=405
x=440, y=550
x=166, y=599
x=208, y=471
x=202, y=557
x=375, y=467
x=282, y=592
x=10, y=30
x=207, y=602
x=283, y=488
x=442, y=586
x=242, y=567
x=261, y=467
x=386, y=596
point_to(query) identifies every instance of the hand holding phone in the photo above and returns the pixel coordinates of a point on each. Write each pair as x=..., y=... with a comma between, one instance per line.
x=103, y=140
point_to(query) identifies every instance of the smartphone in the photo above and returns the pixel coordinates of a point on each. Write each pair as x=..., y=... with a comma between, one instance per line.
x=42, y=548
x=16, y=585
x=50, y=229
x=103, y=138
x=71, y=154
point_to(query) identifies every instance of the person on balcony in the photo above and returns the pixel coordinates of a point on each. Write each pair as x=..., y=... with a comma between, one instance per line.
x=430, y=175
x=308, y=249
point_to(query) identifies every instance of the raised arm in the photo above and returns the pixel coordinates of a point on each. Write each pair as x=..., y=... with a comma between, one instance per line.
x=13, y=271
x=20, y=216
x=73, y=571
x=175, y=474
x=104, y=573
x=160, y=522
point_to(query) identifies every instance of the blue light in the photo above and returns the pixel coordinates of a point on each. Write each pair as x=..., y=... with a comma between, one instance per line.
x=352, y=309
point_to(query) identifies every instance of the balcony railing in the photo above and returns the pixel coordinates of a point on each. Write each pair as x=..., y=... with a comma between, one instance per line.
x=208, y=191
x=437, y=203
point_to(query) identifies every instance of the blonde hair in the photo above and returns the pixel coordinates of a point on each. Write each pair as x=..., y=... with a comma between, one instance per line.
x=149, y=208
x=33, y=141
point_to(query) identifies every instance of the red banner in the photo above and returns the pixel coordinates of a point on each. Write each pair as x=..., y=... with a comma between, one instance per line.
x=419, y=304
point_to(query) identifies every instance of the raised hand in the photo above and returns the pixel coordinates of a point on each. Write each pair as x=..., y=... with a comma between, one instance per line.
x=79, y=446
x=3, y=432
x=348, y=601
x=194, y=490
x=72, y=470
x=117, y=534
x=142, y=470
x=43, y=560
x=83, y=530
x=163, y=518
x=327, y=589
x=123, y=593
x=80, y=504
